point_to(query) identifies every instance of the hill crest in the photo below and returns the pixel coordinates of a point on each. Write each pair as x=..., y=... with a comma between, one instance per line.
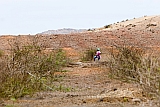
x=142, y=31
x=63, y=31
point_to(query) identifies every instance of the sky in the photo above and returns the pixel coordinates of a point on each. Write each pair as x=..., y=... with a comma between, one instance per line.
x=35, y=16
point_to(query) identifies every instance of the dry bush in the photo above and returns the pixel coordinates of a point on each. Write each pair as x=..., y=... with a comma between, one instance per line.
x=107, y=26
x=133, y=65
x=149, y=75
x=27, y=70
x=88, y=55
x=1, y=53
x=124, y=63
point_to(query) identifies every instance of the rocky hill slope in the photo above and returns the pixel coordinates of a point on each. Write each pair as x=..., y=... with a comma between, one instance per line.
x=144, y=31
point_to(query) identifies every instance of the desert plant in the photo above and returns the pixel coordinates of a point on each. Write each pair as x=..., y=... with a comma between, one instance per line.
x=1, y=53
x=133, y=65
x=28, y=70
x=107, y=26
x=124, y=62
x=149, y=75
x=89, y=30
x=88, y=55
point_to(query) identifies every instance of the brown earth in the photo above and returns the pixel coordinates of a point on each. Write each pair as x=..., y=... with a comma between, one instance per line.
x=87, y=84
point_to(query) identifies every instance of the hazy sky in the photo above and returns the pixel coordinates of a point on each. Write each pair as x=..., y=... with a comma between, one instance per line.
x=36, y=16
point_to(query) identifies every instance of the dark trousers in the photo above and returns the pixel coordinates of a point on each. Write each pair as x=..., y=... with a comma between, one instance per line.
x=96, y=57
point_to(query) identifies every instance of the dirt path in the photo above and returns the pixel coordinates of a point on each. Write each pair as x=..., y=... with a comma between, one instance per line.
x=84, y=85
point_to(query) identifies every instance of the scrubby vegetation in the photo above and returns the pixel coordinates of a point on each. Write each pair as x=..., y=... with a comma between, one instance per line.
x=107, y=26
x=29, y=69
x=88, y=55
x=1, y=53
x=135, y=65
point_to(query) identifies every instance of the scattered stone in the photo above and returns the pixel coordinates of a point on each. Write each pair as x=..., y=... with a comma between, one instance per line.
x=71, y=95
x=84, y=101
x=75, y=63
x=101, y=99
x=114, y=89
x=85, y=66
x=136, y=100
x=78, y=63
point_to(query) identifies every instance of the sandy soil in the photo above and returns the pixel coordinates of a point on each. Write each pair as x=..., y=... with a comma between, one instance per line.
x=85, y=85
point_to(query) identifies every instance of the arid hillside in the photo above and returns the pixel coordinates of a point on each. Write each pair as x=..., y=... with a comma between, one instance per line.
x=90, y=83
x=144, y=31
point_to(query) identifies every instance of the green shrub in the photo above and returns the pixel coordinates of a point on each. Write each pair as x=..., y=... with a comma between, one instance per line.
x=107, y=26
x=88, y=55
x=1, y=53
x=28, y=70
